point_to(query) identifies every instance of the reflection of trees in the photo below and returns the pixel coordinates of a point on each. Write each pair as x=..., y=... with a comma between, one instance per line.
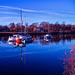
x=34, y=38
x=67, y=37
x=69, y=62
x=57, y=38
x=4, y=39
x=41, y=37
x=0, y=38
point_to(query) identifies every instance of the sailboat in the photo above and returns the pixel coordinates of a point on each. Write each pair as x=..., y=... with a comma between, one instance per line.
x=20, y=37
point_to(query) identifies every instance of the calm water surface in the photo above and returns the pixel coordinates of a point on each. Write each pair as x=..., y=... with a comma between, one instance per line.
x=53, y=57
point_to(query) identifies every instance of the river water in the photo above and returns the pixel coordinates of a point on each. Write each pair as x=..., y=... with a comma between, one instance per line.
x=40, y=57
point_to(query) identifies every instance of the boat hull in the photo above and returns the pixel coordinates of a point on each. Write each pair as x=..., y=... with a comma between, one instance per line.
x=18, y=40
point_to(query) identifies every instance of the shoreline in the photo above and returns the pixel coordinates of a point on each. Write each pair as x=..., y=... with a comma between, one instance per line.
x=52, y=33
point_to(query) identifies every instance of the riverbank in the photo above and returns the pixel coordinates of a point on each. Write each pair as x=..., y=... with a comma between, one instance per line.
x=52, y=33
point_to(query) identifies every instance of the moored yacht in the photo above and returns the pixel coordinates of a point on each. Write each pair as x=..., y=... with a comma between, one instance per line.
x=15, y=38
x=20, y=38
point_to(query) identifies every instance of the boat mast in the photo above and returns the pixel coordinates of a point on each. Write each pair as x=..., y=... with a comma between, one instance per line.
x=21, y=21
x=25, y=24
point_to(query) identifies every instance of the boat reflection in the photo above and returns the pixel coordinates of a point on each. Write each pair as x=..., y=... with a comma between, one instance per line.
x=17, y=44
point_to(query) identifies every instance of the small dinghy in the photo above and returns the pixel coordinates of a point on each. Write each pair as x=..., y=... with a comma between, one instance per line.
x=47, y=37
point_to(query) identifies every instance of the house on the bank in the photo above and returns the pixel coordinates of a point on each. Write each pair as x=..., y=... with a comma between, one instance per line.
x=40, y=30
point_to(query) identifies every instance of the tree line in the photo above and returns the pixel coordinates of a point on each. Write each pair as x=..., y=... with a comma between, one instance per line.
x=35, y=27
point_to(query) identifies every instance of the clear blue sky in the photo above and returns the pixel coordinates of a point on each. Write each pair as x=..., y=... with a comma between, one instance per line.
x=51, y=11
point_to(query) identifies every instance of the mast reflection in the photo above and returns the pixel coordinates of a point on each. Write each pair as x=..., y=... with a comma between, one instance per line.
x=21, y=59
x=22, y=47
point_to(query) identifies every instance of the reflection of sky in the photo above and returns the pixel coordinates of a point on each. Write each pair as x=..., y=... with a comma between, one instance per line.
x=37, y=11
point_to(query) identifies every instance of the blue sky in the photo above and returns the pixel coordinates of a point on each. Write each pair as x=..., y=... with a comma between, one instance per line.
x=51, y=11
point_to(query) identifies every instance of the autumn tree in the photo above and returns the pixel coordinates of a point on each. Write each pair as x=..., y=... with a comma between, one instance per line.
x=57, y=27
x=11, y=27
x=18, y=27
x=33, y=27
x=1, y=28
x=5, y=28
